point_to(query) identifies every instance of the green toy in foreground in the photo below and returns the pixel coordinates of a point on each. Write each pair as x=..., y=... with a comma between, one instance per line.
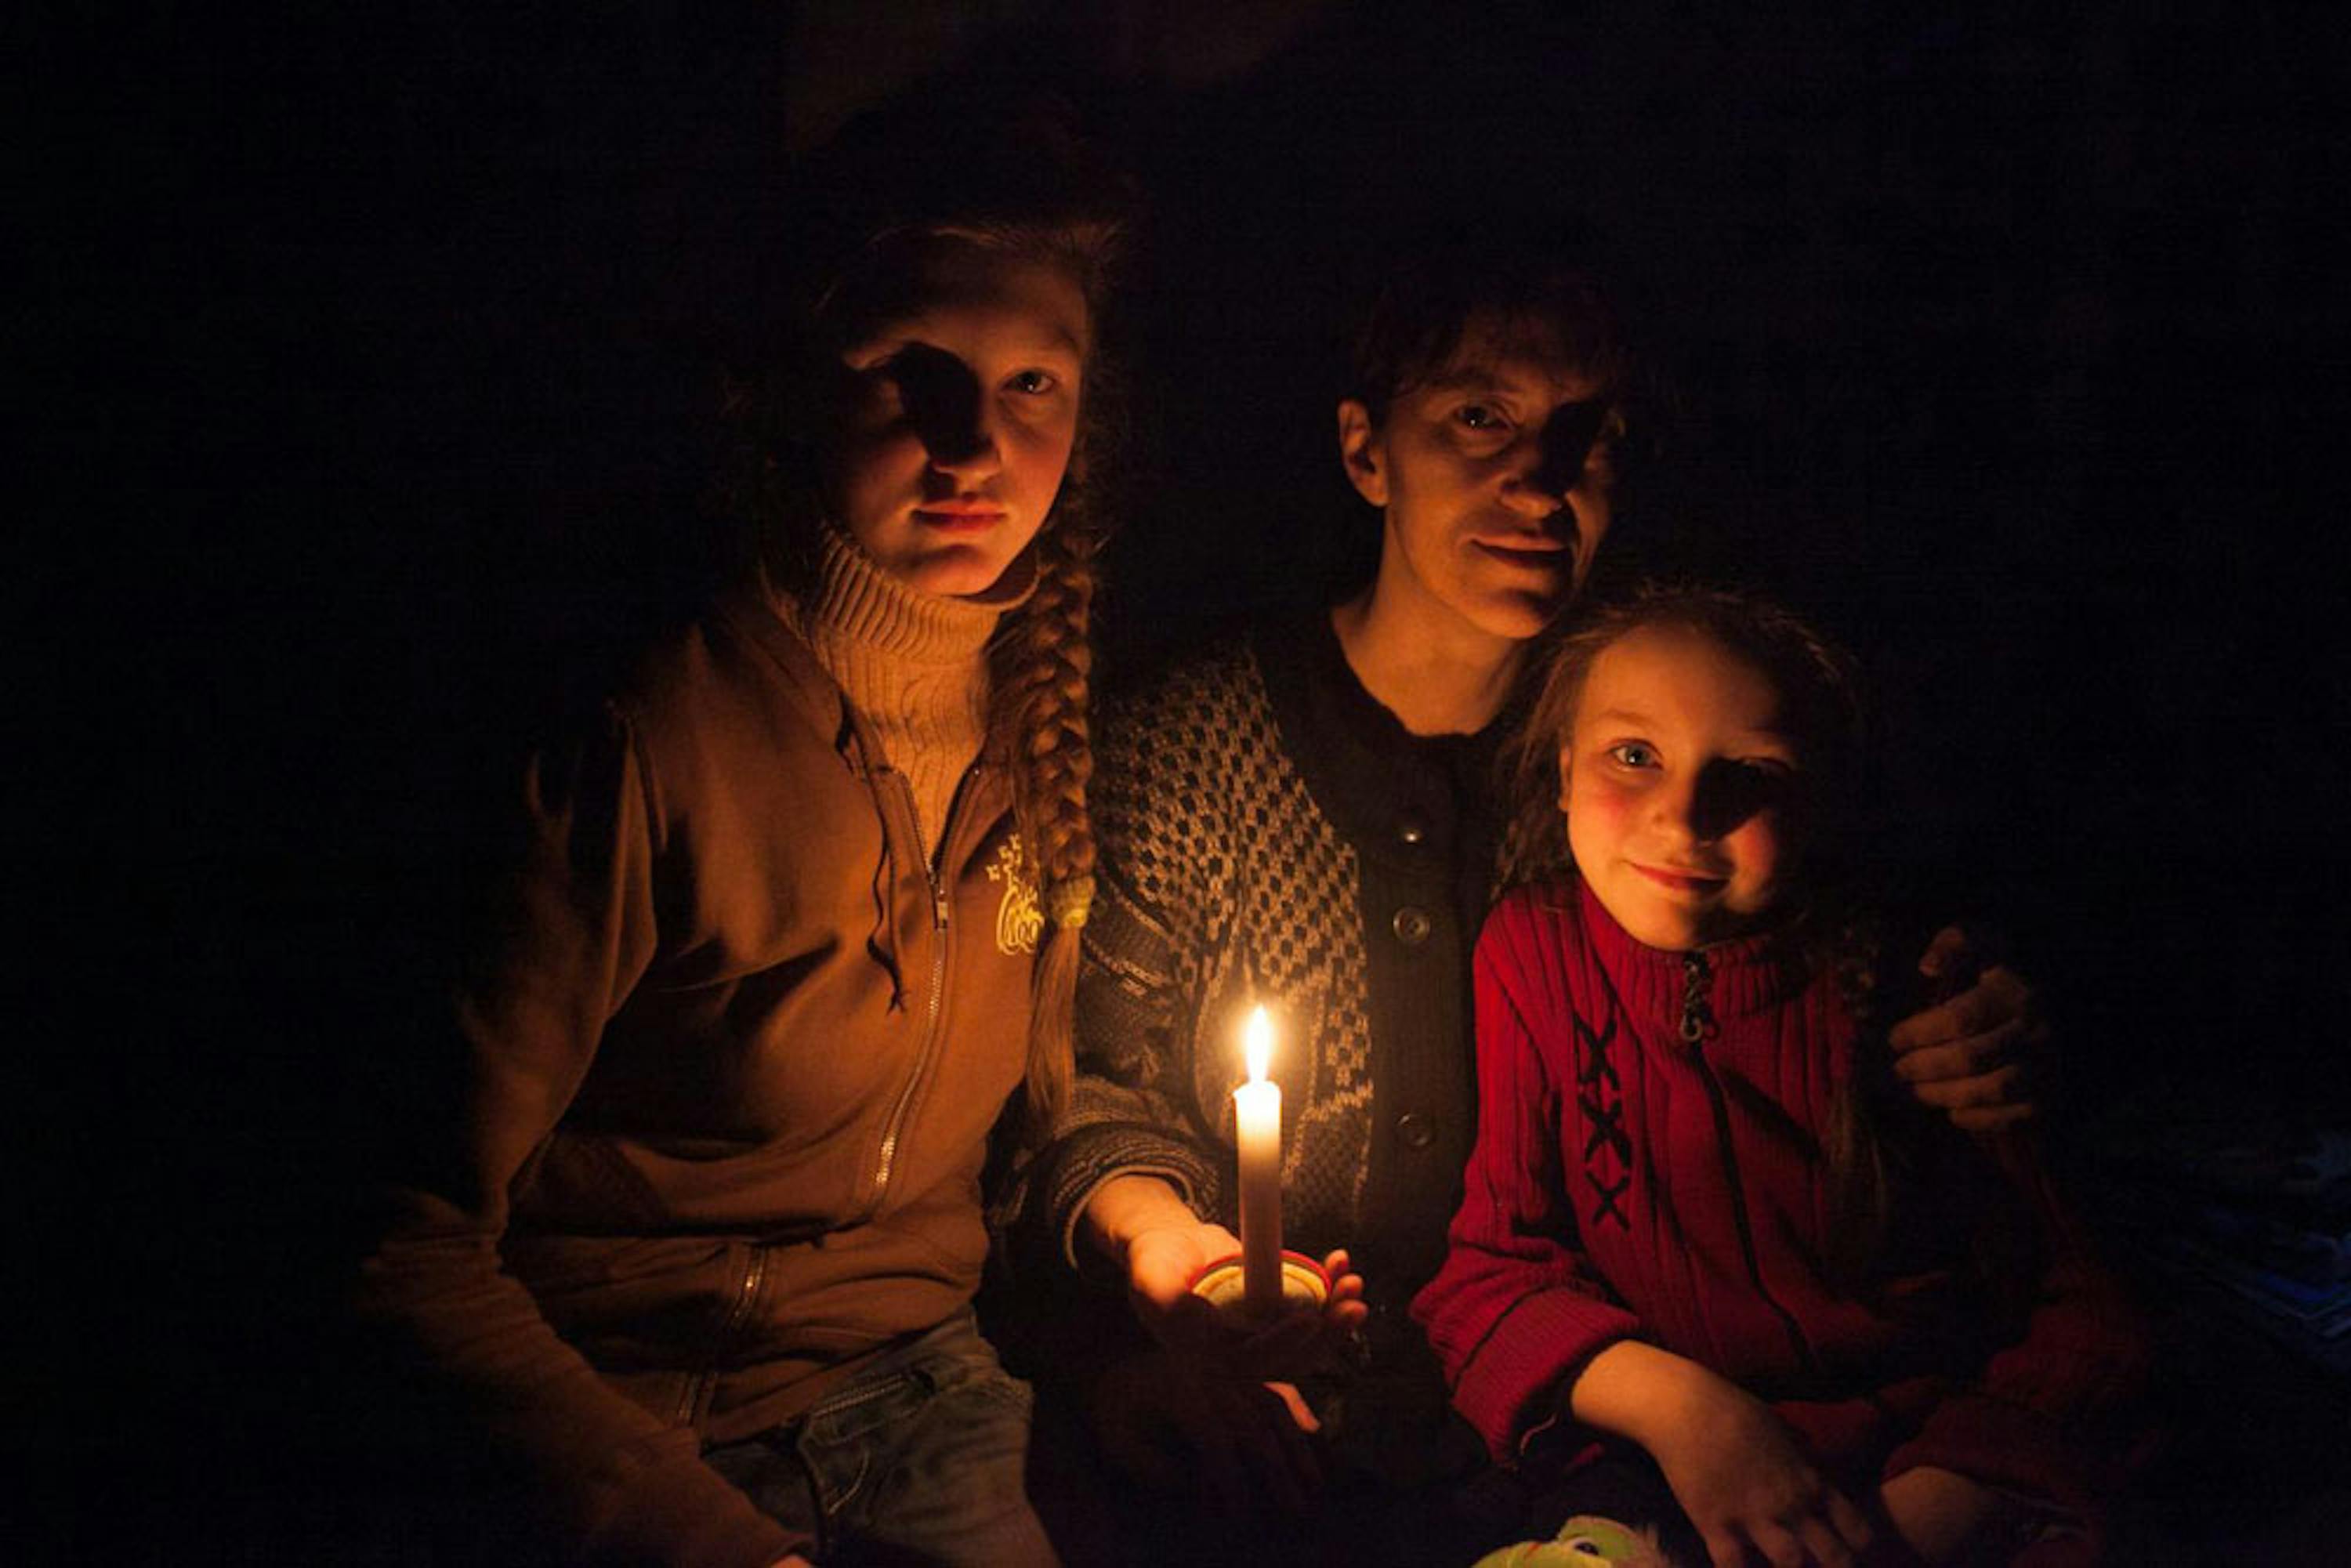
x=1586, y=1540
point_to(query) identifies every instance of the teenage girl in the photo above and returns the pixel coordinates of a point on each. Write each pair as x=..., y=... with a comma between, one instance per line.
x=1701, y=1241
x=689, y=1249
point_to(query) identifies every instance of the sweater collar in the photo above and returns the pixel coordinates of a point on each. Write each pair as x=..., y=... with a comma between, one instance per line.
x=1744, y=976
x=852, y=605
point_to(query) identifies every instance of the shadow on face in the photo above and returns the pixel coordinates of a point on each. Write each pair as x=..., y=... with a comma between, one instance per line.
x=941, y=396
x=1730, y=794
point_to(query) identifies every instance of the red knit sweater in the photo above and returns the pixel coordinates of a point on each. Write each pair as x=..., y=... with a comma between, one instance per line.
x=1648, y=1166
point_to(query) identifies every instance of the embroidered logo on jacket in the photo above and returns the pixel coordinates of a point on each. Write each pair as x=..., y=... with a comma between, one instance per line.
x=1600, y=1095
x=1020, y=921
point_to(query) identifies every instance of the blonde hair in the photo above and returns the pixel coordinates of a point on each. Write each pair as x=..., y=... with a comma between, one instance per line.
x=1819, y=692
x=1818, y=686
x=1026, y=187
x=1041, y=686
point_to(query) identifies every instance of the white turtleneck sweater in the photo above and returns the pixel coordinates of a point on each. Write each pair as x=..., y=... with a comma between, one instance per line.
x=914, y=665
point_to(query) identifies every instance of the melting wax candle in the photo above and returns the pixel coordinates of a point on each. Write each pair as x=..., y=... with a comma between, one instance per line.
x=1257, y=1116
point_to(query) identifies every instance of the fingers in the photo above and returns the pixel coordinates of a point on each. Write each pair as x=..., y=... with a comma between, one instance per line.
x=1162, y=1262
x=1986, y=1081
x=1804, y=1539
x=1834, y=1535
x=1946, y=954
x=1993, y=1119
x=2003, y=1087
x=1963, y=1058
x=1978, y=1057
x=1805, y=1527
x=1954, y=954
x=1724, y=1549
x=1302, y=1414
x=1998, y=997
x=1850, y=1523
x=1817, y=1541
x=1788, y=1515
x=1345, y=1309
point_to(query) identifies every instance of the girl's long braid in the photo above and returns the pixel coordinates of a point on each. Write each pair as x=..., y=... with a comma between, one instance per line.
x=952, y=164
x=1043, y=668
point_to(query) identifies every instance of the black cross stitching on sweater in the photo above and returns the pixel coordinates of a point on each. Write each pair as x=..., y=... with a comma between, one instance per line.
x=1600, y=1095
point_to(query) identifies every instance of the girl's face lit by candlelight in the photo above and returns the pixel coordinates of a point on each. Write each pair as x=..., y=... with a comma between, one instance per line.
x=956, y=407
x=1682, y=788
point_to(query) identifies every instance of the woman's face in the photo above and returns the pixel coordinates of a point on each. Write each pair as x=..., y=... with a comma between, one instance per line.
x=955, y=411
x=1683, y=789
x=1495, y=490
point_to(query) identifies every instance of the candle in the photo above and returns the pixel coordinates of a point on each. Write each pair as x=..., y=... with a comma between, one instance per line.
x=1257, y=1120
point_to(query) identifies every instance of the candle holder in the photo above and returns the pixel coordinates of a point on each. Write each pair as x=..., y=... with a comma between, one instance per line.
x=1303, y=1284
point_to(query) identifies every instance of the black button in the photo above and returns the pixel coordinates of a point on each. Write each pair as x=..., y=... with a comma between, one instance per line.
x=1411, y=925
x=1412, y=830
x=1416, y=1130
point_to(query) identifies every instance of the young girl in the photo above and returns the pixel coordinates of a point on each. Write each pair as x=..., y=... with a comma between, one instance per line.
x=1695, y=1223
x=691, y=1248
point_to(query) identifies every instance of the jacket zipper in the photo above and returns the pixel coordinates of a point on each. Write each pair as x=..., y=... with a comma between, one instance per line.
x=739, y=1312
x=1698, y=1026
x=886, y=1161
x=746, y=1291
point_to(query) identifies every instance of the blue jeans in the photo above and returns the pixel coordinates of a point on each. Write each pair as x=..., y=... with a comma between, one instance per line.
x=920, y=1459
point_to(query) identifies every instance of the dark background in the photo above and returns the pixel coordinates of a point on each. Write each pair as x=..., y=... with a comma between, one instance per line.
x=375, y=367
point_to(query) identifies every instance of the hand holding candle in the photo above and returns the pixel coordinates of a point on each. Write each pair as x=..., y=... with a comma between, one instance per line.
x=1257, y=1117
x=1270, y=1292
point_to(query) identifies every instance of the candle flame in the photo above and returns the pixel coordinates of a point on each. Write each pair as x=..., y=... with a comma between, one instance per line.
x=1256, y=1044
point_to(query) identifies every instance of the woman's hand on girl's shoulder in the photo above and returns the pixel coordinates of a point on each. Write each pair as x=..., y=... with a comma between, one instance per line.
x=1982, y=1052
